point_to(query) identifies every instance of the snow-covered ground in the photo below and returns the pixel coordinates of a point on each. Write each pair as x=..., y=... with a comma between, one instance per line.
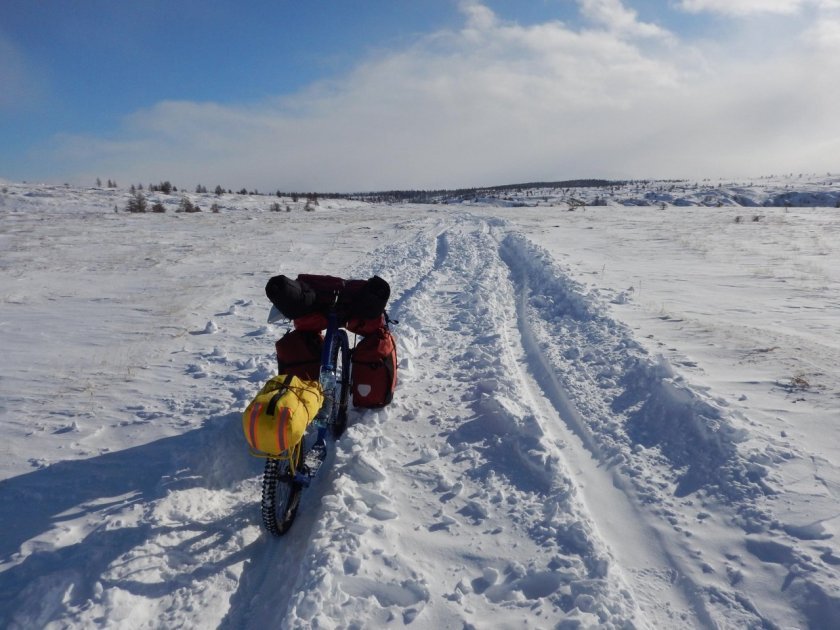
x=614, y=416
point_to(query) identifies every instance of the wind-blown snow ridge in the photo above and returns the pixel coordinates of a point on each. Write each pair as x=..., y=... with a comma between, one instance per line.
x=633, y=399
x=636, y=414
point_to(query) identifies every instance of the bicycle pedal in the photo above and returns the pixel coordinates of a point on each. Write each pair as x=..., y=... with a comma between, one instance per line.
x=314, y=458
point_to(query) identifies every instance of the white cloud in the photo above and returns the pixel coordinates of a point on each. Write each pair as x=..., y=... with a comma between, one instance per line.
x=496, y=102
x=825, y=33
x=478, y=16
x=20, y=83
x=618, y=18
x=743, y=7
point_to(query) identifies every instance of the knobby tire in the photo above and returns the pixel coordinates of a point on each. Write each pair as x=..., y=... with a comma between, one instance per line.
x=280, y=496
x=341, y=361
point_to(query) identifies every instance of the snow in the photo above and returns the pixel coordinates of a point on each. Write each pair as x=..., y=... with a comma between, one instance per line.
x=619, y=415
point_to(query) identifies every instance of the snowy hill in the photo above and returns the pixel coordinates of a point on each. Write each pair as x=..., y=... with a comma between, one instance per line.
x=787, y=191
x=617, y=416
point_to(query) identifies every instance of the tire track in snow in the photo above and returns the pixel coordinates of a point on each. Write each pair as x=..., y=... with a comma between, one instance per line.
x=672, y=451
x=662, y=589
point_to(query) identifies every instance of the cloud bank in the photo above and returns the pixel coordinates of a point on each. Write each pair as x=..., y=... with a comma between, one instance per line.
x=498, y=102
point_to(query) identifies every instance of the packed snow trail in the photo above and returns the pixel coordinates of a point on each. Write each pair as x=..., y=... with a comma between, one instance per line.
x=675, y=451
x=490, y=524
x=659, y=582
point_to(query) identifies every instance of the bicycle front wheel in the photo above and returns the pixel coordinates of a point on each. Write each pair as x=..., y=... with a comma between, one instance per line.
x=280, y=495
x=341, y=361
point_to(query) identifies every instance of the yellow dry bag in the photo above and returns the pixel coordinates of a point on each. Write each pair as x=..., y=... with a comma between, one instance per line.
x=277, y=418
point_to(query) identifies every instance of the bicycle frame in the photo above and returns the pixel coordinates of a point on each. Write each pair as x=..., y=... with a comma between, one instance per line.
x=329, y=338
x=281, y=490
x=336, y=344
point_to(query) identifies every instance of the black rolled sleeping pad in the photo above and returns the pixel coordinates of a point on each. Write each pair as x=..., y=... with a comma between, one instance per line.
x=365, y=299
x=370, y=299
x=292, y=298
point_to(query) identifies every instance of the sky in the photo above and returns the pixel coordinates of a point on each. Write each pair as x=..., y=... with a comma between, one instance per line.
x=398, y=94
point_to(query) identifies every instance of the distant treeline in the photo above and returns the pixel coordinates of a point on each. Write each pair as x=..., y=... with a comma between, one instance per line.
x=395, y=196
x=433, y=196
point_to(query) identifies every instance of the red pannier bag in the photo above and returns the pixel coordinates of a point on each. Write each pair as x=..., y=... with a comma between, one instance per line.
x=299, y=353
x=374, y=369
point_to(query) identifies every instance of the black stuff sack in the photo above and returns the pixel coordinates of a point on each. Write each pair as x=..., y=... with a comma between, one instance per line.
x=369, y=299
x=292, y=298
x=308, y=296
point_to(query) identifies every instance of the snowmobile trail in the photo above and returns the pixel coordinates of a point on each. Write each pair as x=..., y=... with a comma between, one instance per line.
x=672, y=451
x=662, y=590
x=491, y=522
x=499, y=498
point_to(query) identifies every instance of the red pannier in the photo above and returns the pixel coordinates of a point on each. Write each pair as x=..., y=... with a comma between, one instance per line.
x=299, y=353
x=374, y=369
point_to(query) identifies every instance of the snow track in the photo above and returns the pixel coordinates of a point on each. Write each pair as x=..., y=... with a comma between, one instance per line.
x=672, y=451
x=485, y=490
x=662, y=590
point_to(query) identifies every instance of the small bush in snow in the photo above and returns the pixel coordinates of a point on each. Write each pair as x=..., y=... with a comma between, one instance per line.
x=187, y=206
x=137, y=203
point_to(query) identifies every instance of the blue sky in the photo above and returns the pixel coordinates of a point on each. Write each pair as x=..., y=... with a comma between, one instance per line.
x=400, y=93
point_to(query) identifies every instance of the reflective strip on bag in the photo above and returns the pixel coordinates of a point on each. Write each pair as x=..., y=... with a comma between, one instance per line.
x=255, y=414
x=281, y=429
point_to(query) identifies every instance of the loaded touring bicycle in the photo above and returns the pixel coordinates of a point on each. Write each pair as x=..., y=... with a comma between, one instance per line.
x=318, y=373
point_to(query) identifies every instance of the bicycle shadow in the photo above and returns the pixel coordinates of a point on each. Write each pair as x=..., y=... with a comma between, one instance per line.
x=40, y=507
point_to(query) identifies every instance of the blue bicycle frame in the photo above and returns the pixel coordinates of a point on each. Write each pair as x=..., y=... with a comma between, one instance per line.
x=334, y=378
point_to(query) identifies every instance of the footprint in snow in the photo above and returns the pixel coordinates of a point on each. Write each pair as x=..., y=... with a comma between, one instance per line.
x=259, y=332
x=444, y=523
x=261, y=374
x=69, y=428
x=452, y=493
x=352, y=565
x=196, y=371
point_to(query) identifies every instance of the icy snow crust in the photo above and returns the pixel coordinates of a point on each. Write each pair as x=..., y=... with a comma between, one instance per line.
x=611, y=417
